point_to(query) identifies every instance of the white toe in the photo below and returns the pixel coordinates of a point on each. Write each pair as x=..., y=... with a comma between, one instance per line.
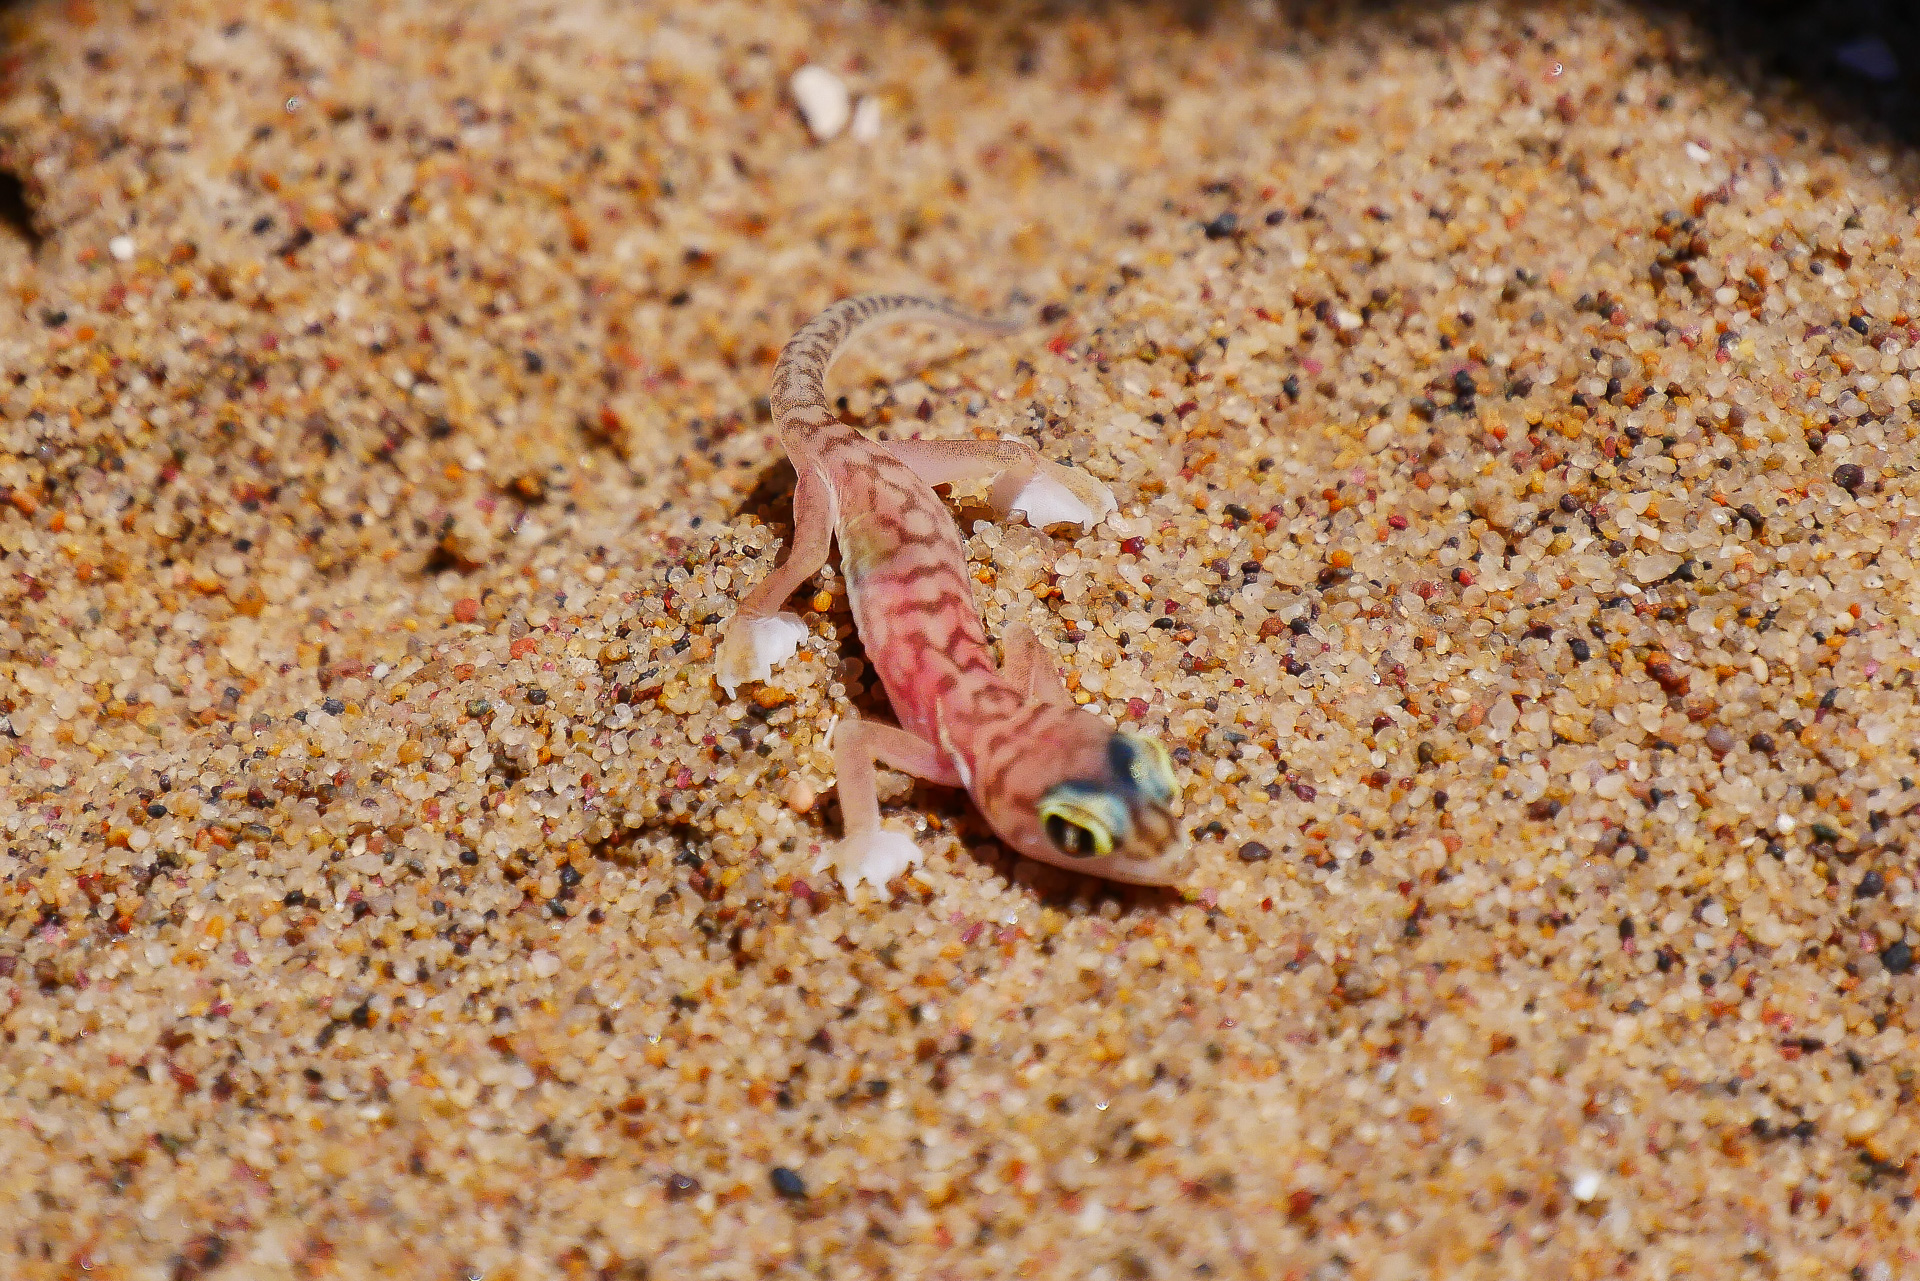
x=875, y=860
x=775, y=640
x=766, y=643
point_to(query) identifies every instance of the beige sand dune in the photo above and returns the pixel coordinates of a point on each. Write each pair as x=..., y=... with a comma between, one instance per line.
x=1513, y=427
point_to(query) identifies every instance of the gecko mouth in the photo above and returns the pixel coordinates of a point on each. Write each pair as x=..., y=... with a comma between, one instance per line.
x=1155, y=833
x=1170, y=860
x=1162, y=870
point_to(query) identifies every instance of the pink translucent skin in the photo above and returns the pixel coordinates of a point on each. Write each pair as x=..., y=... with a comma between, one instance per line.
x=1008, y=733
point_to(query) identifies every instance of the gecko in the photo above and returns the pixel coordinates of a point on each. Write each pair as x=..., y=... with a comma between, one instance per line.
x=1053, y=780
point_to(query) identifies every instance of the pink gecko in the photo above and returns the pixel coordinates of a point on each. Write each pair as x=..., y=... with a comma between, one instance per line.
x=1054, y=781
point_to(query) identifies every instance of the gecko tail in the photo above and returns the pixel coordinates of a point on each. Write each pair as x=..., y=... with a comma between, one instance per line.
x=799, y=397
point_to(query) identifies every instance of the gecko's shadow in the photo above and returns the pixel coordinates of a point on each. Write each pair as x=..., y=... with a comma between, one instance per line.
x=771, y=498
x=1058, y=888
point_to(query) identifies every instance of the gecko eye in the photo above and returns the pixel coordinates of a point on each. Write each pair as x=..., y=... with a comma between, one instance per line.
x=1082, y=820
x=1076, y=841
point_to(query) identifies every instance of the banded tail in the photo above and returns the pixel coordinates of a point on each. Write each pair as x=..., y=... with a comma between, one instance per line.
x=799, y=395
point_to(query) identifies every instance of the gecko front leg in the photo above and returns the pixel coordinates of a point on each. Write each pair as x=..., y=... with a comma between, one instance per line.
x=1028, y=667
x=868, y=851
x=761, y=635
x=1045, y=493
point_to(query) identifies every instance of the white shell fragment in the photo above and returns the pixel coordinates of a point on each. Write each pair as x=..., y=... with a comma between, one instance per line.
x=866, y=120
x=823, y=99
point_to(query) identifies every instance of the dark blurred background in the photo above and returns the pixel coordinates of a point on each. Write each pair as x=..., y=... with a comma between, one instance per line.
x=1858, y=58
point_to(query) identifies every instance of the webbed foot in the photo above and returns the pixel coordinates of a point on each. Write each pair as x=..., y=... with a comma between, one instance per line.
x=1054, y=495
x=753, y=647
x=875, y=857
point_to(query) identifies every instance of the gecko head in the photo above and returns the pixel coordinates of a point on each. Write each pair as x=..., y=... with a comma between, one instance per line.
x=1097, y=801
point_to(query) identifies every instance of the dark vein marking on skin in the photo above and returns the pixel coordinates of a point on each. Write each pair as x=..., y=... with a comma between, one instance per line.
x=940, y=604
x=1006, y=733
x=927, y=569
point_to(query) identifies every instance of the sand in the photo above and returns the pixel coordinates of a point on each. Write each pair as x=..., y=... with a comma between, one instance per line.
x=1513, y=424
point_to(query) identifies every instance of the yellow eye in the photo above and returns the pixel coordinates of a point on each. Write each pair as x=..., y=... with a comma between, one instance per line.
x=1078, y=841
x=1151, y=767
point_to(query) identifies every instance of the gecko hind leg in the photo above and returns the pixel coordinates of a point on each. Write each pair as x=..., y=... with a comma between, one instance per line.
x=867, y=851
x=1045, y=493
x=760, y=636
